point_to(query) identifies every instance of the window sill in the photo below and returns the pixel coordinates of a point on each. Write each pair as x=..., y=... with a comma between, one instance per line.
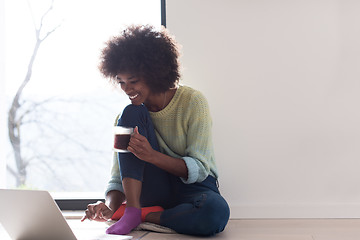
x=68, y=214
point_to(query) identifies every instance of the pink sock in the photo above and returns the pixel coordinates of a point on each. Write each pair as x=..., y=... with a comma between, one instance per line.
x=130, y=220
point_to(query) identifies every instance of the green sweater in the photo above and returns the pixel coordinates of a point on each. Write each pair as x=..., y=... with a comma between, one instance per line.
x=183, y=130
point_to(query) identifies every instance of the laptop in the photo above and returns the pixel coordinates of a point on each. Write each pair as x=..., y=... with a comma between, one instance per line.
x=34, y=215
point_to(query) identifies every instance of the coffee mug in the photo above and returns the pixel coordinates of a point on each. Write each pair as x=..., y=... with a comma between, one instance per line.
x=122, y=137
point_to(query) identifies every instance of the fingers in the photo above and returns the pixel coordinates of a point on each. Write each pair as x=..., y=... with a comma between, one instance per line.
x=136, y=130
x=88, y=215
x=140, y=146
x=84, y=217
x=137, y=140
x=95, y=212
x=137, y=135
x=136, y=144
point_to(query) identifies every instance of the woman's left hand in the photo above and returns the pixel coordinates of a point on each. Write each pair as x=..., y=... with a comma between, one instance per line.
x=140, y=146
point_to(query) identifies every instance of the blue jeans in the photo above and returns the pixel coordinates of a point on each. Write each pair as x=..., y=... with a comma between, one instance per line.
x=194, y=209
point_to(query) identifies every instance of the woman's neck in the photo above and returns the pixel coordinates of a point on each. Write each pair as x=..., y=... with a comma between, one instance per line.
x=158, y=102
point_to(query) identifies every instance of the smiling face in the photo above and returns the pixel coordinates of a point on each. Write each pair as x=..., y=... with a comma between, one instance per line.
x=134, y=86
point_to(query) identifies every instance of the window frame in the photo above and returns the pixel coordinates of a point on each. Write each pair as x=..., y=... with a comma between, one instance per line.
x=76, y=204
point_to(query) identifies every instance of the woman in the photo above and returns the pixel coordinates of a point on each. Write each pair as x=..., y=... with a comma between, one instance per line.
x=171, y=162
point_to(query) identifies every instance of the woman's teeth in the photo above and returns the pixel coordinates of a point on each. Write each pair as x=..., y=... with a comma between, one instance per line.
x=132, y=97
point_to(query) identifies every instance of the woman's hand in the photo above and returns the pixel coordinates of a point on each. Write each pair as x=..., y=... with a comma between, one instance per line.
x=142, y=149
x=140, y=146
x=98, y=212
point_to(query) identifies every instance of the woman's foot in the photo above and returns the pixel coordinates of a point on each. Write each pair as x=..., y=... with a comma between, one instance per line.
x=130, y=220
x=144, y=211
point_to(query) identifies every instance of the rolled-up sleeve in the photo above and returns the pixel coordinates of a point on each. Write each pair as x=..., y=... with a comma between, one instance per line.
x=115, y=179
x=196, y=171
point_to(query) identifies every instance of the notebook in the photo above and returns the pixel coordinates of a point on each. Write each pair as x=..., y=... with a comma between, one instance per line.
x=34, y=215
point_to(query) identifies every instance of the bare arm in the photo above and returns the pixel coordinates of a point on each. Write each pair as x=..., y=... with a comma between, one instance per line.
x=175, y=166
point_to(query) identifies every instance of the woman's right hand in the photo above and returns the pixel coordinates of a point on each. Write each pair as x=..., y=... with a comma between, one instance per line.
x=98, y=212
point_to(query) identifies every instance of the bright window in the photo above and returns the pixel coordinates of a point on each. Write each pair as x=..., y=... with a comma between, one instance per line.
x=62, y=130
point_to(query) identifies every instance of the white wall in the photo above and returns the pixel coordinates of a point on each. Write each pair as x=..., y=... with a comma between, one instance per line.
x=283, y=82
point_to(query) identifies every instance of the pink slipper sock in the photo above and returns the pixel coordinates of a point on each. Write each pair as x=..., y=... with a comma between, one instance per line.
x=130, y=220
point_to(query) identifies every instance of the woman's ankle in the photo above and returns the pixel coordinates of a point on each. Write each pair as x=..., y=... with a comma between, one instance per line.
x=153, y=217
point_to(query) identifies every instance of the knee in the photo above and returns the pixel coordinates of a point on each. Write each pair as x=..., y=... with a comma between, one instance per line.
x=132, y=115
x=215, y=215
x=131, y=108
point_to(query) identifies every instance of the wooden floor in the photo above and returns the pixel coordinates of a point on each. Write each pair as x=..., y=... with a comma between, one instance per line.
x=287, y=229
